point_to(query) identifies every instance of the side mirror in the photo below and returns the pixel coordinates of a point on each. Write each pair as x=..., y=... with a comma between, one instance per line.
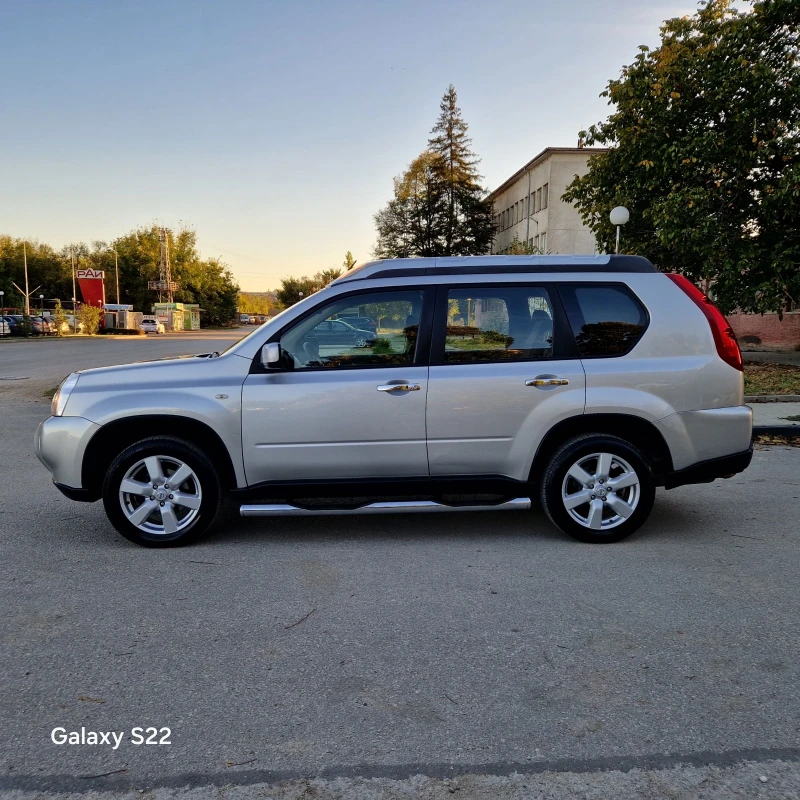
x=270, y=354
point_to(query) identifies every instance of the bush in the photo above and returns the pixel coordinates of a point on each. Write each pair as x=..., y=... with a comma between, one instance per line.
x=495, y=337
x=382, y=346
x=89, y=316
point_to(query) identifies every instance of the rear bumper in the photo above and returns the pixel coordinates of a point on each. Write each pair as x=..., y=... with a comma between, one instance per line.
x=695, y=437
x=708, y=471
x=81, y=495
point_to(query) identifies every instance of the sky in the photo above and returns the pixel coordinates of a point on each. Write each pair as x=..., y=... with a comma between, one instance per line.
x=274, y=129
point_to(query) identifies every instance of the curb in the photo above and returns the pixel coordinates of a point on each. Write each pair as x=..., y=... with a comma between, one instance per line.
x=772, y=398
x=790, y=431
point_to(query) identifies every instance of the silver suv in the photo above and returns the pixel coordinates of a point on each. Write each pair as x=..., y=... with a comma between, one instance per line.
x=583, y=382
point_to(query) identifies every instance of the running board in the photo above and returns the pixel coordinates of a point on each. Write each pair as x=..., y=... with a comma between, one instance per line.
x=393, y=507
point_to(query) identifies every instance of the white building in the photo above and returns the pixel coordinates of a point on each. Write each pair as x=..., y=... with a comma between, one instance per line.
x=528, y=206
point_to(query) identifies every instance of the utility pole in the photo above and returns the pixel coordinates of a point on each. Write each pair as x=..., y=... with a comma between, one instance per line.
x=74, y=296
x=116, y=272
x=27, y=295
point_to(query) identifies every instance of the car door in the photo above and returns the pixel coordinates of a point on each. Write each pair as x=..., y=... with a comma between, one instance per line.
x=341, y=333
x=336, y=412
x=504, y=370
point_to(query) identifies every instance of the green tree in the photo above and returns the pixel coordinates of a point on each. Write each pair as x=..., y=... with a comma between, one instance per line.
x=208, y=282
x=295, y=289
x=438, y=207
x=257, y=303
x=703, y=150
x=349, y=262
x=60, y=318
x=468, y=228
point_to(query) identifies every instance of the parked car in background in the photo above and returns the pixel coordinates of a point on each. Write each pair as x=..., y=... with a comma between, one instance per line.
x=14, y=322
x=337, y=331
x=5, y=328
x=71, y=324
x=65, y=326
x=364, y=323
x=244, y=319
x=37, y=325
x=152, y=326
x=42, y=326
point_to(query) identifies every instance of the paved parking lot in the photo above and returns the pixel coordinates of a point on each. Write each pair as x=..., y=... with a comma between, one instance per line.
x=31, y=367
x=384, y=647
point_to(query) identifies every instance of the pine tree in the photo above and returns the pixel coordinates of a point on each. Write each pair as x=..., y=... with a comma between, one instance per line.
x=439, y=207
x=468, y=225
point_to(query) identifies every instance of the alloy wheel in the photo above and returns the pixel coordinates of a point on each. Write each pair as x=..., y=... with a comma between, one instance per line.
x=600, y=491
x=160, y=495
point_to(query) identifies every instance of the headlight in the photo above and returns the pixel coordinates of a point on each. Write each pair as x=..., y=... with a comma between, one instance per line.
x=62, y=395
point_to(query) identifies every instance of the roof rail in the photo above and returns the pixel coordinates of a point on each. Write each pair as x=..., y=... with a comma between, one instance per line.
x=499, y=265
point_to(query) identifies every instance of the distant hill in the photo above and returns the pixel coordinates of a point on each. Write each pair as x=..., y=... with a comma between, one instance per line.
x=258, y=303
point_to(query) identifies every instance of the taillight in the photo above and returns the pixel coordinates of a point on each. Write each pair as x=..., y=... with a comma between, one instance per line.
x=724, y=337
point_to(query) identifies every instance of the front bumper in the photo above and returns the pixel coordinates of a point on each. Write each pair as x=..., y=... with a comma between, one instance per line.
x=708, y=471
x=60, y=444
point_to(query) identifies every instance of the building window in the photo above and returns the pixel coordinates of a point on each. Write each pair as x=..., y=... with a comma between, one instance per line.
x=531, y=201
x=545, y=193
x=543, y=242
x=538, y=199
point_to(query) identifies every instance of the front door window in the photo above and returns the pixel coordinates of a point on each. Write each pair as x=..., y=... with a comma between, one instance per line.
x=371, y=330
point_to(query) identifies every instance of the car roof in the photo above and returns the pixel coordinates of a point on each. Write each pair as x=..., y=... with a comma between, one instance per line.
x=494, y=265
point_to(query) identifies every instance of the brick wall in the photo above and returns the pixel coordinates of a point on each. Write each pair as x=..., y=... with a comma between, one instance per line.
x=781, y=334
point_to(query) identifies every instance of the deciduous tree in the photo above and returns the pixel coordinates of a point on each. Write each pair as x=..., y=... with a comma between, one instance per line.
x=704, y=149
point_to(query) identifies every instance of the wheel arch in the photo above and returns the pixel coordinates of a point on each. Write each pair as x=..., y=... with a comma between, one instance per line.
x=114, y=437
x=638, y=431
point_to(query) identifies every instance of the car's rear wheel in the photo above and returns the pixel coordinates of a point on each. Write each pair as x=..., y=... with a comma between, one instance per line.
x=361, y=341
x=161, y=492
x=598, y=488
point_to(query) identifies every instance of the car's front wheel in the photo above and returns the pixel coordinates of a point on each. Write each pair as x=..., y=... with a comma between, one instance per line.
x=598, y=488
x=162, y=491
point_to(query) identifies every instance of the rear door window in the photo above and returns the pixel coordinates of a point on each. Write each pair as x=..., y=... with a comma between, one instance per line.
x=606, y=319
x=498, y=323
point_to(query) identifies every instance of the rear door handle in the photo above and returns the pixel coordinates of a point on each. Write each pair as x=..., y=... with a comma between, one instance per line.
x=399, y=387
x=547, y=382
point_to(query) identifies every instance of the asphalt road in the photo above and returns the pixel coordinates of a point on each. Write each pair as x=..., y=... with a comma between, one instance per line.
x=31, y=367
x=390, y=646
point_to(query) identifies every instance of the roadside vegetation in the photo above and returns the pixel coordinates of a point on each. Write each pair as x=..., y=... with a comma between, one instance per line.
x=761, y=378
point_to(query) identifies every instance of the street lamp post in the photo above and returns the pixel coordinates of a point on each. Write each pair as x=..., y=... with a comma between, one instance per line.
x=41, y=306
x=619, y=216
x=2, y=301
x=74, y=316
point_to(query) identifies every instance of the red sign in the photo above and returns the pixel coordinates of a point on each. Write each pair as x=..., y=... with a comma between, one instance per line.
x=92, y=287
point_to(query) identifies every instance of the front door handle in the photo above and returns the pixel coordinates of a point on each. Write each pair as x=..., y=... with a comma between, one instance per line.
x=399, y=387
x=547, y=382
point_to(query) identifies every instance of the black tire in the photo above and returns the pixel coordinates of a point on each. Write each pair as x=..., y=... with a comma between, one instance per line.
x=204, y=472
x=361, y=341
x=583, y=447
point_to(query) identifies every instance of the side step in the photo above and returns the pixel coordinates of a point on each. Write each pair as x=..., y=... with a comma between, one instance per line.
x=393, y=507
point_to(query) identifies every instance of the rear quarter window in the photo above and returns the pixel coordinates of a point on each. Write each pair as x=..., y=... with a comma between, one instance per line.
x=606, y=319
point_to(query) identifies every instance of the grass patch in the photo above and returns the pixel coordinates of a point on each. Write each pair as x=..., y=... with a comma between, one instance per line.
x=761, y=378
x=50, y=392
